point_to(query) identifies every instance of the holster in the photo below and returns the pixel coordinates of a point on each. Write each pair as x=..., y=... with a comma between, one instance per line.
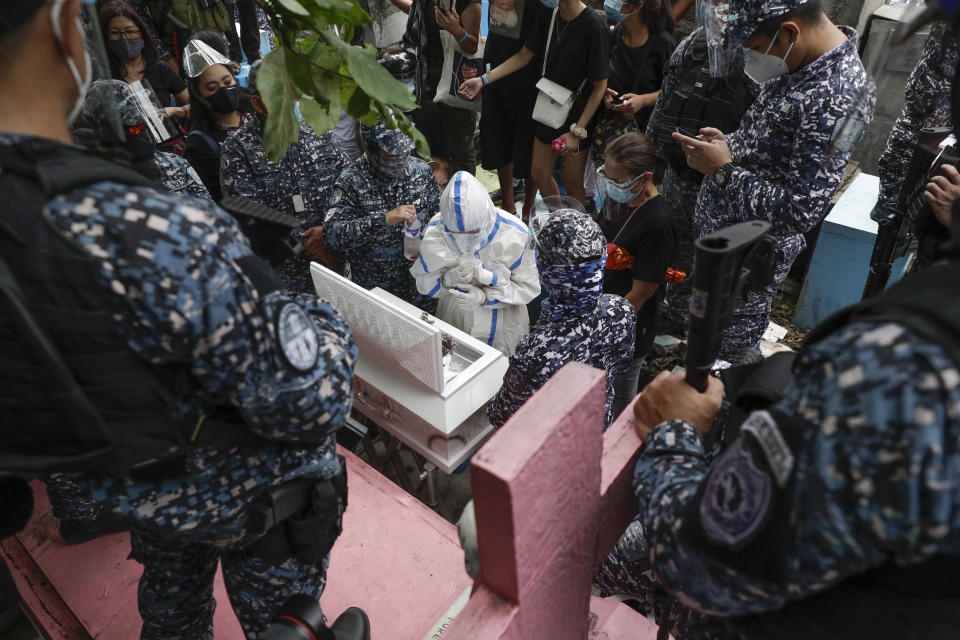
x=300, y=519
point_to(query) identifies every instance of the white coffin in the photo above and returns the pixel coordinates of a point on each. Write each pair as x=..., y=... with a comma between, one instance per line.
x=401, y=382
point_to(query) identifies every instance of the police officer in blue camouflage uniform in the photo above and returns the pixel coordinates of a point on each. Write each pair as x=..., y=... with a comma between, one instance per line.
x=178, y=176
x=832, y=511
x=578, y=322
x=786, y=160
x=926, y=105
x=300, y=184
x=385, y=191
x=105, y=96
x=264, y=379
x=722, y=92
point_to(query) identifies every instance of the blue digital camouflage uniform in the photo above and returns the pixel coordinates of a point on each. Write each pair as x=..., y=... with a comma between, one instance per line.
x=300, y=185
x=578, y=323
x=181, y=269
x=926, y=104
x=179, y=176
x=784, y=171
x=679, y=190
x=356, y=225
x=873, y=481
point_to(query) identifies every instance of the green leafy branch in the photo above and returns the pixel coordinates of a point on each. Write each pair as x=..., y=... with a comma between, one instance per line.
x=316, y=66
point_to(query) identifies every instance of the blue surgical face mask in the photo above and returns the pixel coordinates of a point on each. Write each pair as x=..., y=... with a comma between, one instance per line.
x=612, y=9
x=550, y=4
x=619, y=194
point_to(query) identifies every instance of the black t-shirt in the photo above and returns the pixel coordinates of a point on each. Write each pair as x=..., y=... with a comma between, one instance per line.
x=640, y=69
x=434, y=45
x=165, y=82
x=648, y=235
x=578, y=50
x=507, y=34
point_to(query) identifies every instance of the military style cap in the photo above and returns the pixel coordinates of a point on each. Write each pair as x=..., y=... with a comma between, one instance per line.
x=570, y=237
x=106, y=96
x=393, y=141
x=738, y=19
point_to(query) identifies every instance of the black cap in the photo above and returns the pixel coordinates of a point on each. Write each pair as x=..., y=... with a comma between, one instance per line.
x=16, y=13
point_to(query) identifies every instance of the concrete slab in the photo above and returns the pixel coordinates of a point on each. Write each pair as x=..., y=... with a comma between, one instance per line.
x=396, y=558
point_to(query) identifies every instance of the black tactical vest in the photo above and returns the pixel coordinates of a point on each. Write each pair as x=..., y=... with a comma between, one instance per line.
x=73, y=396
x=891, y=602
x=700, y=100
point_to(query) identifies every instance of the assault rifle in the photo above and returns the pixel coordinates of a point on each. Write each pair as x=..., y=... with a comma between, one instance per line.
x=896, y=231
x=724, y=261
x=272, y=234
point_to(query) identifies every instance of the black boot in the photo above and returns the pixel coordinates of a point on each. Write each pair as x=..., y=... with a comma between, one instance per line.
x=352, y=624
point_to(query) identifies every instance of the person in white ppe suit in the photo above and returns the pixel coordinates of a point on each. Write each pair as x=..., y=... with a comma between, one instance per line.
x=477, y=260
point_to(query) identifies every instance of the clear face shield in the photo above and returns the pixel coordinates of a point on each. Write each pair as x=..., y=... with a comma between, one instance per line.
x=145, y=102
x=198, y=55
x=719, y=19
x=98, y=67
x=465, y=243
x=545, y=209
x=616, y=195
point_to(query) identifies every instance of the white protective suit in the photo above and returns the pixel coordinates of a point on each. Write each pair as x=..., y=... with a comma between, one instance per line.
x=503, y=249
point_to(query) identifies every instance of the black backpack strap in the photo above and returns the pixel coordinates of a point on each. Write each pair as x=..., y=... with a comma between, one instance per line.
x=206, y=137
x=57, y=168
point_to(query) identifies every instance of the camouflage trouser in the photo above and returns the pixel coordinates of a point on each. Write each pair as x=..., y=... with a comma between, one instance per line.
x=627, y=570
x=682, y=196
x=176, y=589
x=751, y=314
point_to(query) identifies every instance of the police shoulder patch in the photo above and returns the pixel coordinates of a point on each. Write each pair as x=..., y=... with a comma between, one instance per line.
x=762, y=426
x=847, y=133
x=736, y=499
x=297, y=338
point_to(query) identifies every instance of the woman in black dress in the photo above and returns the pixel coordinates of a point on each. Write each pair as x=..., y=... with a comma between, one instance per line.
x=572, y=39
x=640, y=45
x=132, y=54
x=639, y=229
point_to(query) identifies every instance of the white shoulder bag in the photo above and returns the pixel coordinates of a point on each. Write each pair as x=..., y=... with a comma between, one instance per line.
x=555, y=100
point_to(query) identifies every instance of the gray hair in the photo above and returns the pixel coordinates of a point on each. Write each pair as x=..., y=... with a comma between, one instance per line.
x=634, y=151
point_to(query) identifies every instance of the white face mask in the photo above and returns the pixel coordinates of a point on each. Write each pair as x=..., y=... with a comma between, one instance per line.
x=763, y=67
x=83, y=83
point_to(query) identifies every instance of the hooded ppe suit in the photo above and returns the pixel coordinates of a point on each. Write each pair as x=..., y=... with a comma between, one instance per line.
x=475, y=258
x=578, y=322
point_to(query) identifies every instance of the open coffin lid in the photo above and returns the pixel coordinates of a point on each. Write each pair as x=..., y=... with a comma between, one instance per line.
x=401, y=359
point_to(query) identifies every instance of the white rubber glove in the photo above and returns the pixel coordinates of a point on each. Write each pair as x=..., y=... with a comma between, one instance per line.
x=483, y=275
x=462, y=273
x=468, y=295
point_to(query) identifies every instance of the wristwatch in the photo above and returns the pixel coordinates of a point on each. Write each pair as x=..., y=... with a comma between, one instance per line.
x=722, y=175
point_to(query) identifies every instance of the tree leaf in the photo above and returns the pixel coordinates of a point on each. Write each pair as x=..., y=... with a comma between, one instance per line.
x=341, y=12
x=321, y=118
x=376, y=81
x=280, y=96
x=423, y=148
x=293, y=7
